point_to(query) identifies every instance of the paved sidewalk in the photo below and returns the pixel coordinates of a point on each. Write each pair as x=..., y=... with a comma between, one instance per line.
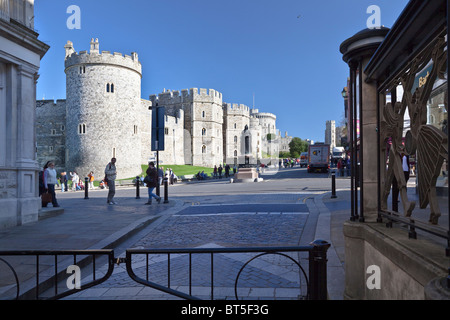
x=83, y=224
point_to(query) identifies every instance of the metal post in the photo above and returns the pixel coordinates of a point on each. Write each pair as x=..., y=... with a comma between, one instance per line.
x=351, y=124
x=379, y=218
x=86, y=187
x=361, y=145
x=138, y=182
x=318, y=270
x=166, y=190
x=448, y=146
x=333, y=185
x=158, y=187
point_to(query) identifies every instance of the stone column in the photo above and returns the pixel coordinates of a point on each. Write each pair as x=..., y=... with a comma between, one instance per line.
x=370, y=144
x=26, y=164
x=357, y=52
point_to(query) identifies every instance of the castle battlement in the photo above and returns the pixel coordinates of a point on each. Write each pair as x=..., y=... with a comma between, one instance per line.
x=105, y=57
x=191, y=95
x=236, y=109
x=264, y=115
x=49, y=102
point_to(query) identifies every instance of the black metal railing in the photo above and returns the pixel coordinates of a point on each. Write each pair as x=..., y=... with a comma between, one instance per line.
x=50, y=267
x=316, y=283
x=50, y=280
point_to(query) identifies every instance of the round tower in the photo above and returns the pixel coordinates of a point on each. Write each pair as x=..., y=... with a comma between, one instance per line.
x=103, y=100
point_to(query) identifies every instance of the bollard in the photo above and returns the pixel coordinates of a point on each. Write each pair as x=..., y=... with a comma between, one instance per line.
x=318, y=270
x=333, y=186
x=166, y=190
x=158, y=188
x=86, y=188
x=138, y=182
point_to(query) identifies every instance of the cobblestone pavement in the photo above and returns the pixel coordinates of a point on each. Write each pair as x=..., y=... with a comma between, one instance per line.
x=275, y=219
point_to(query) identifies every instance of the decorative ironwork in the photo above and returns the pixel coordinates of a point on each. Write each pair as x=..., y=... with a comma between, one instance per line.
x=428, y=142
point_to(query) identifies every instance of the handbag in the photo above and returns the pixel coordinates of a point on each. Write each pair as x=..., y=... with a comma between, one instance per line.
x=148, y=180
x=47, y=198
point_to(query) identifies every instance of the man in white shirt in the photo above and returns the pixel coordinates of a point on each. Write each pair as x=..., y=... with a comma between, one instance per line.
x=50, y=181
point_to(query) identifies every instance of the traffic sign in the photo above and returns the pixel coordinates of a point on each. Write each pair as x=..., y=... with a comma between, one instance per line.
x=158, y=128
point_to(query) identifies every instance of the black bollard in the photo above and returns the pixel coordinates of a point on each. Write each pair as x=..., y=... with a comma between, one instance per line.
x=138, y=182
x=166, y=190
x=318, y=270
x=333, y=186
x=86, y=188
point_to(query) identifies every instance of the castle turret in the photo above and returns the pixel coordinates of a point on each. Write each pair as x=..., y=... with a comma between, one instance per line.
x=102, y=112
x=95, y=46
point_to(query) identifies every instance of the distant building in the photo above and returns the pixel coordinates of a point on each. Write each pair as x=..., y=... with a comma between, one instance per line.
x=330, y=133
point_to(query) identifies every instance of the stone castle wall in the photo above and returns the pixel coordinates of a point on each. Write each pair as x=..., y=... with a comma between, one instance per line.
x=51, y=132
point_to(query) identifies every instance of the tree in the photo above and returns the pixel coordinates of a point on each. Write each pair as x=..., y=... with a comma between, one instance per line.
x=284, y=154
x=297, y=146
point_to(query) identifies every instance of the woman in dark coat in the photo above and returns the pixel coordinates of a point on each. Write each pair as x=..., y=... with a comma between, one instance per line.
x=151, y=180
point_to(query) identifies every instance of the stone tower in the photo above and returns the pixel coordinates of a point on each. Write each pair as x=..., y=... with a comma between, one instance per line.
x=202, y=115
x=236, y=119
x=205, y=124
x=103, y=104
x=267, y=121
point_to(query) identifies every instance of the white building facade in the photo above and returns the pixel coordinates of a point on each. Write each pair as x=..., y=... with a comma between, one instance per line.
x=20, y=56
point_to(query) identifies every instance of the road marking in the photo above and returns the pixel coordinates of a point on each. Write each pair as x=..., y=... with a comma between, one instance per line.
x=242, y=213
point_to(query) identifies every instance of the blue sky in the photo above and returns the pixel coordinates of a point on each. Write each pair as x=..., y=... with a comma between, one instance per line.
x=291, y=65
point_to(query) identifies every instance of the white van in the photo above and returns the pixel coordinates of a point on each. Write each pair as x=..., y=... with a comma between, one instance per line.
x=303, y=159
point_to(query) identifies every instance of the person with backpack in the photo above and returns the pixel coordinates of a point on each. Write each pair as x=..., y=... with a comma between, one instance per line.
x=151, y=180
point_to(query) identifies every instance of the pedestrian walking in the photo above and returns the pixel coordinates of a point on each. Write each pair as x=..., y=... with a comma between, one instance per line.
x=160, y=175
x=340, y=167
x=171, y=175
x=75, y=179
x=63, y=181
x=110, y=177
x=151, y=180
x=50, y=181
x=227, y=171
x=91, y=180
x=406, y=166
x=220, y=171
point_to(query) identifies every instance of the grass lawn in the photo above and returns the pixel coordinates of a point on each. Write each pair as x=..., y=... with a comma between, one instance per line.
x=179, y=170
x=182, y=170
